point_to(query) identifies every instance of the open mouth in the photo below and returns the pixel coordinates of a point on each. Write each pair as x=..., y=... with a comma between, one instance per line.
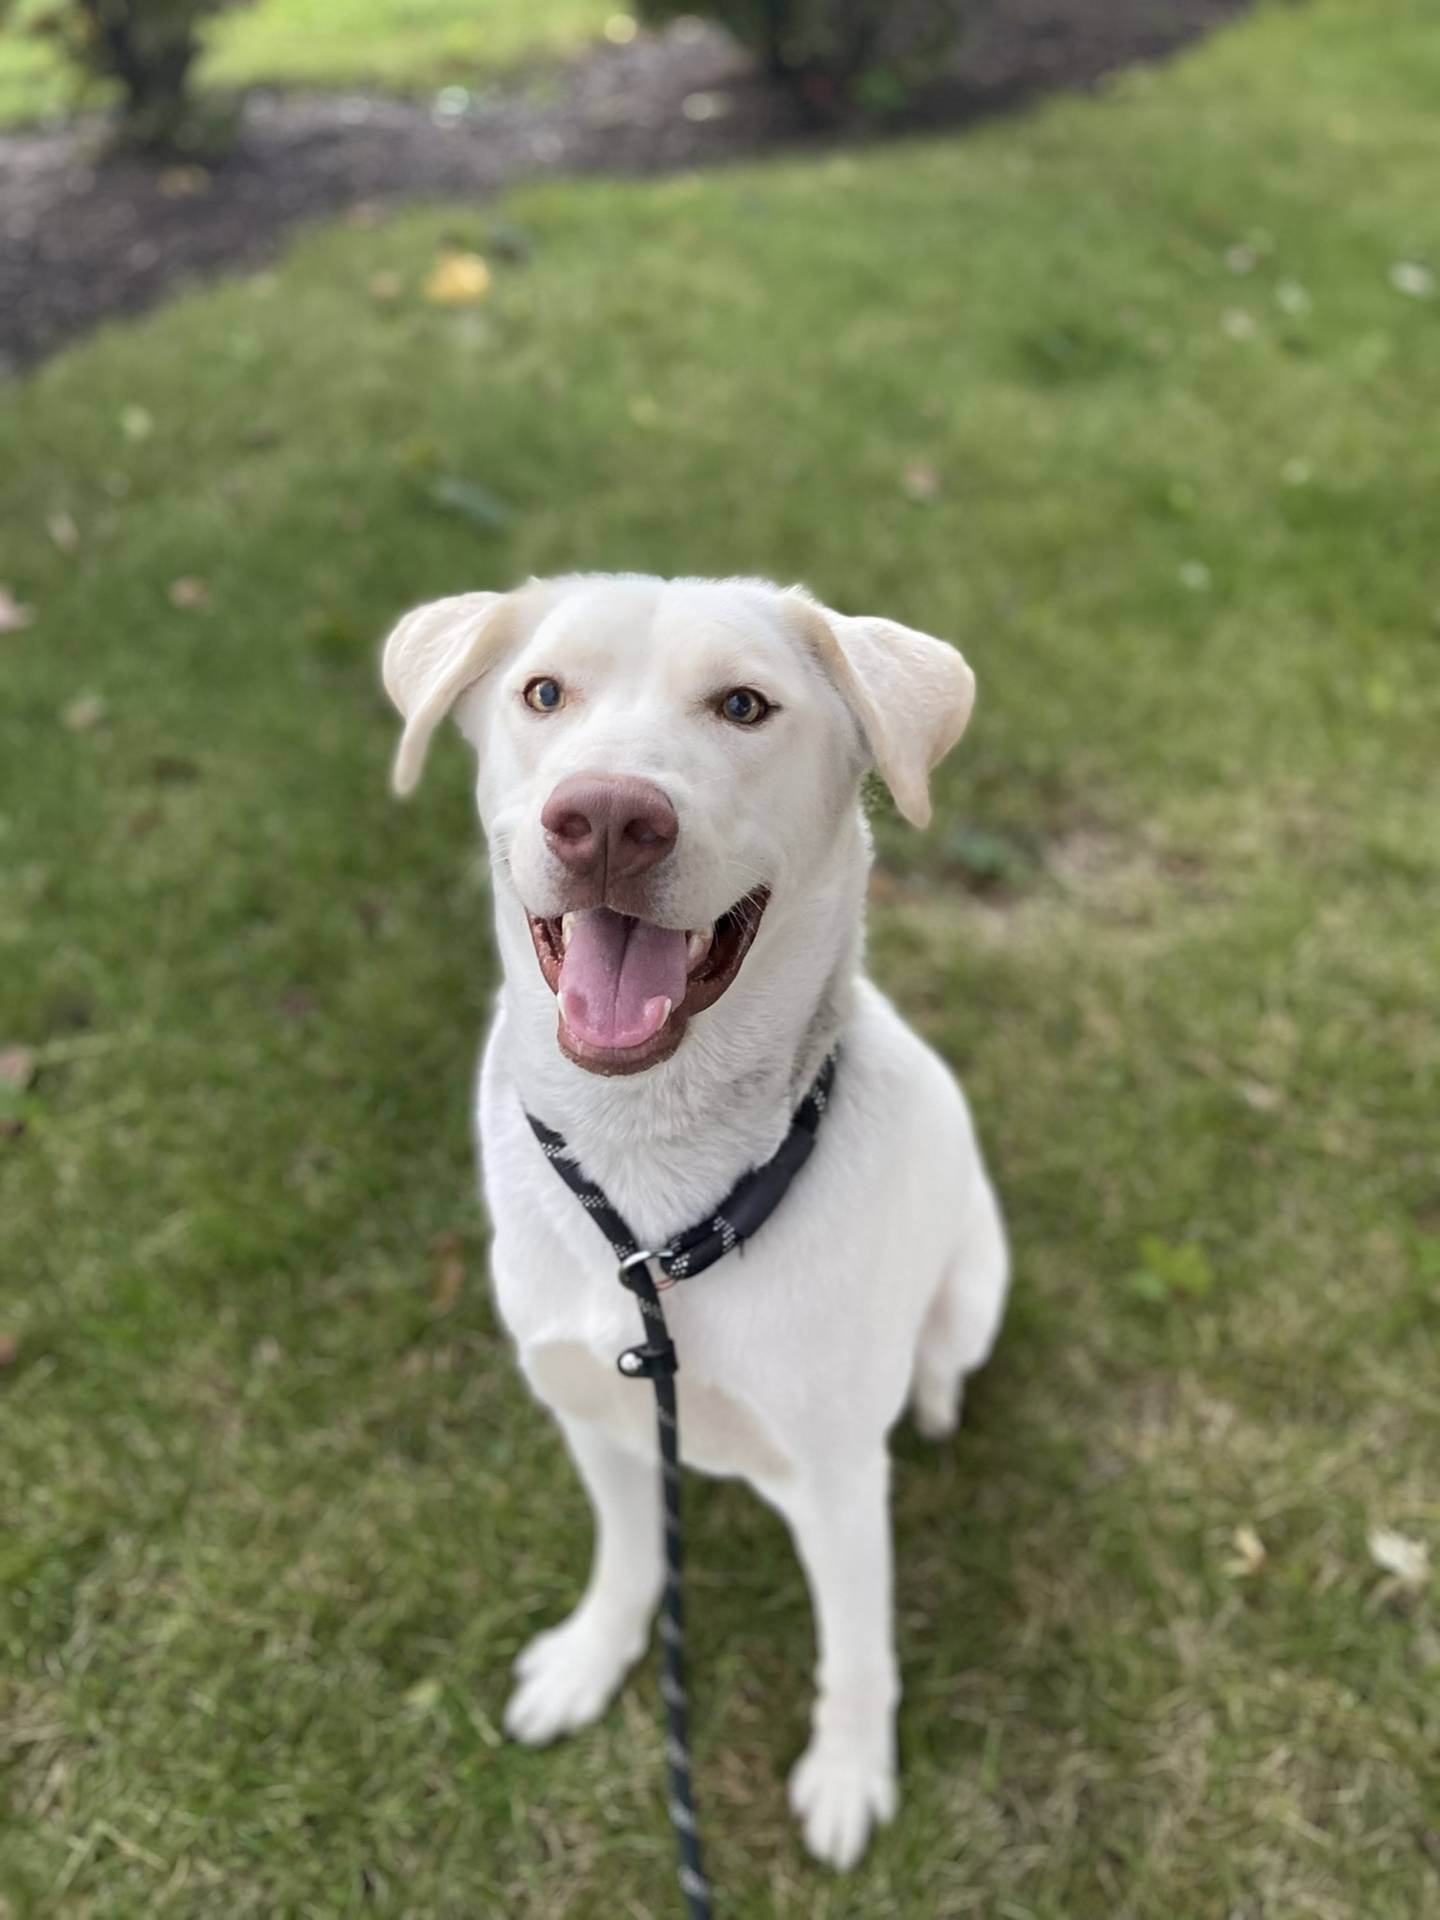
x=627, y=989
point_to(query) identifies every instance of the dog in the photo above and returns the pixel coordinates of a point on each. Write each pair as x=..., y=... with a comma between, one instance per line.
x=670, y=777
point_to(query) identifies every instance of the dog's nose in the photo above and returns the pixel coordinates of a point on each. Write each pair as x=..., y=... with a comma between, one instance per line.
x=609, y=823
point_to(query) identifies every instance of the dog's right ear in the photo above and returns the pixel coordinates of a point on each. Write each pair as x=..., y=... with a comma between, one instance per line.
x=431, y=657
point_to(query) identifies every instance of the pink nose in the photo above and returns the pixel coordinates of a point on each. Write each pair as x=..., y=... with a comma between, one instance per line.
x=609, y=823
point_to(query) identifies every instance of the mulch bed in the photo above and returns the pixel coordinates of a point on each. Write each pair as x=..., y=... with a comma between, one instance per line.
x=83, y=238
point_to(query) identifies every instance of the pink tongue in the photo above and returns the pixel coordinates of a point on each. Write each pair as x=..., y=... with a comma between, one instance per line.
x=619, y=978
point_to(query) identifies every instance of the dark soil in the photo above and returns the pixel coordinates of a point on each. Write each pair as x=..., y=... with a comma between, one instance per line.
x=84, y=237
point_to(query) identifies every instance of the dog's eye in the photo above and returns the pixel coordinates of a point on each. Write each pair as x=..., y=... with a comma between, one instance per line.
x=744, y=706
x=545, y=695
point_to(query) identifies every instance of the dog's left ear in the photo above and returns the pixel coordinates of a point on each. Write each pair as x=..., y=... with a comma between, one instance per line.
x=431, y=657
x=912, y=694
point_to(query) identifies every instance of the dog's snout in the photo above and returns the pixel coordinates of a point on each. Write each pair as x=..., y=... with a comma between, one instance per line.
x=612, y=824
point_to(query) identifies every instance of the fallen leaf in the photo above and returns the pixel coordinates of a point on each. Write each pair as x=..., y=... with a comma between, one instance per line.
x=62, y=530
x=458, y=495
x=182, y=182
x=9, y=1350
x=1260, y=1096
x=922, y=483
x=67, y=1012
x=699, y=107
x=420, y=455
x=1166, y=1272
x=386, y=286
x=445, y=1289
x=459, y=280
x=425, y=1695
x=189, y=594
x=1406, y=1561
x=988, y=861
x=173, y=769
x=85, y=714
x=1412, y=279
x=17, y=1068
x=333, y=635
x=13, y=616
x=508, y=243
x=1249, y=1557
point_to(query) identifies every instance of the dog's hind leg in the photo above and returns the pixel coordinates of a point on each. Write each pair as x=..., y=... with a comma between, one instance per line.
x=568, y=1676
x=963, y=1318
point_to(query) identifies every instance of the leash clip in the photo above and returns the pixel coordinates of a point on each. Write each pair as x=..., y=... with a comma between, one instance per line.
x=645, y=1363
x=657, y=1357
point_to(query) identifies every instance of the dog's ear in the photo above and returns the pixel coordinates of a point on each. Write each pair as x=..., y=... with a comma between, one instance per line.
x=912, y=695
x=432, y=655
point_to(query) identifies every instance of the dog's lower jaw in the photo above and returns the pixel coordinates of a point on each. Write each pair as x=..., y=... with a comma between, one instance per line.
x=618, y=1063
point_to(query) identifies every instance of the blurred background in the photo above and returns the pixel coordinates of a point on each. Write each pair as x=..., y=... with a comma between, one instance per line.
x=1101, y=336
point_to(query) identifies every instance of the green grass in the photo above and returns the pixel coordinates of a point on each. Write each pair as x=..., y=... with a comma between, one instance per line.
x=275, y=1525
x=398, y=44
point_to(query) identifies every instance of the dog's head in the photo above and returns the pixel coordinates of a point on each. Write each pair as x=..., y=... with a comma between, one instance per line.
x=658, y=761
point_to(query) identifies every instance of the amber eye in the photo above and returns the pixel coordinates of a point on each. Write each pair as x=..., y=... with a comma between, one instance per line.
x=545, y=695
x=744, y=706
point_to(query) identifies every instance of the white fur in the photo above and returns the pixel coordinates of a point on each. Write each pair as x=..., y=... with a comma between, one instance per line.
x=883, y=1274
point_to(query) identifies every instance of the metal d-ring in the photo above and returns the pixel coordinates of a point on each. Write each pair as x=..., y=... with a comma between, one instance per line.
x=661, y=1281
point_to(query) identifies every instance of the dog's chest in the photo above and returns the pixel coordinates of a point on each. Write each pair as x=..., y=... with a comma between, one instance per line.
x=719, y=1433
x=571, y=1319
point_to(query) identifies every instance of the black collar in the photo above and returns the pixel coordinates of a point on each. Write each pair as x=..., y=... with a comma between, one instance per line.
x=741, y=1214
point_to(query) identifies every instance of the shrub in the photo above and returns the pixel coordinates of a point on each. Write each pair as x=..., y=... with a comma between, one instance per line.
x=839, y=53
x=147, y=48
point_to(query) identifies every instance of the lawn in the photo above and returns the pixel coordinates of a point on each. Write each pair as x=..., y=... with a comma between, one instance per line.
x=399, y=44
x=1131, y=398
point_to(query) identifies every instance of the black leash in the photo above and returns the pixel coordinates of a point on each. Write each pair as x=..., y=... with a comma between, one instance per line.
x=743, y=1211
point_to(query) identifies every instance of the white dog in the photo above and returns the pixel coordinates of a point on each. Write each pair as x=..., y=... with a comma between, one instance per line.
x=669, y=784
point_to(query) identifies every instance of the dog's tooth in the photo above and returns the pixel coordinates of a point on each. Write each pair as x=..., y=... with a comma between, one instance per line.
x=567, y=927
x=698, y=945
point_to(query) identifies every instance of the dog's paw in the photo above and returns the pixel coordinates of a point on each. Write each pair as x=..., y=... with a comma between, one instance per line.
x=567, y=1677
x=839, y=1795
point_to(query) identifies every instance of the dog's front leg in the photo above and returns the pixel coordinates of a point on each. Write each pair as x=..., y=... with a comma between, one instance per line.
x=844, y=1782
x=568, y=1676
